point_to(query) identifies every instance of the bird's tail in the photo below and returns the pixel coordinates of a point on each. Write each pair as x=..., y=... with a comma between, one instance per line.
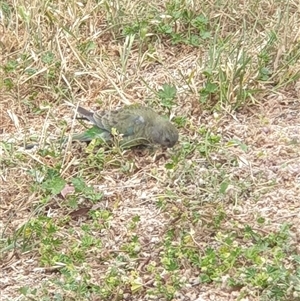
x=91, y=134
x=88, y=115
x=88, y=135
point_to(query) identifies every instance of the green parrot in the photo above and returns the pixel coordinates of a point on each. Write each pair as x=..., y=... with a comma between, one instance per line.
x=138, y=125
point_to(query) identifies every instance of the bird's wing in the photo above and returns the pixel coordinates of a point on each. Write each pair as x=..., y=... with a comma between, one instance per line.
x=126, y=122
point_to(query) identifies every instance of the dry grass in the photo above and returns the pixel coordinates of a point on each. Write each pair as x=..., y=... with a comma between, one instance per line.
x=215, y=218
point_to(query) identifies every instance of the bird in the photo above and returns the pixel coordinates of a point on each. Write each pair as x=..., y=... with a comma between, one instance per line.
x=137, y=125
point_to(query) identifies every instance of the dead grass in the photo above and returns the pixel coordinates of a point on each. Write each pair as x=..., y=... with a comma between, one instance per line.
x=236, y=164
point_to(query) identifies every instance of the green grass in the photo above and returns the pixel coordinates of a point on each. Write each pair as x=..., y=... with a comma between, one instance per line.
x=216, y=216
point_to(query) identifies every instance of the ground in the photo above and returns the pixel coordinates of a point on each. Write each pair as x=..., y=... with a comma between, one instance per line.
x=216, y=217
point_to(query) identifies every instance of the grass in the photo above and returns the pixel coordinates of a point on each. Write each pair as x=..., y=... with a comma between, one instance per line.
x=215, y=217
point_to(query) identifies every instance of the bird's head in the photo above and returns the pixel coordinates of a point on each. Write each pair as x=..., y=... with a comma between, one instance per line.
x=164, y=133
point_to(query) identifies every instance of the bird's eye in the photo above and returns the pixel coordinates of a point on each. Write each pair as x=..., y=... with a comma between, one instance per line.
x=167, y=140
